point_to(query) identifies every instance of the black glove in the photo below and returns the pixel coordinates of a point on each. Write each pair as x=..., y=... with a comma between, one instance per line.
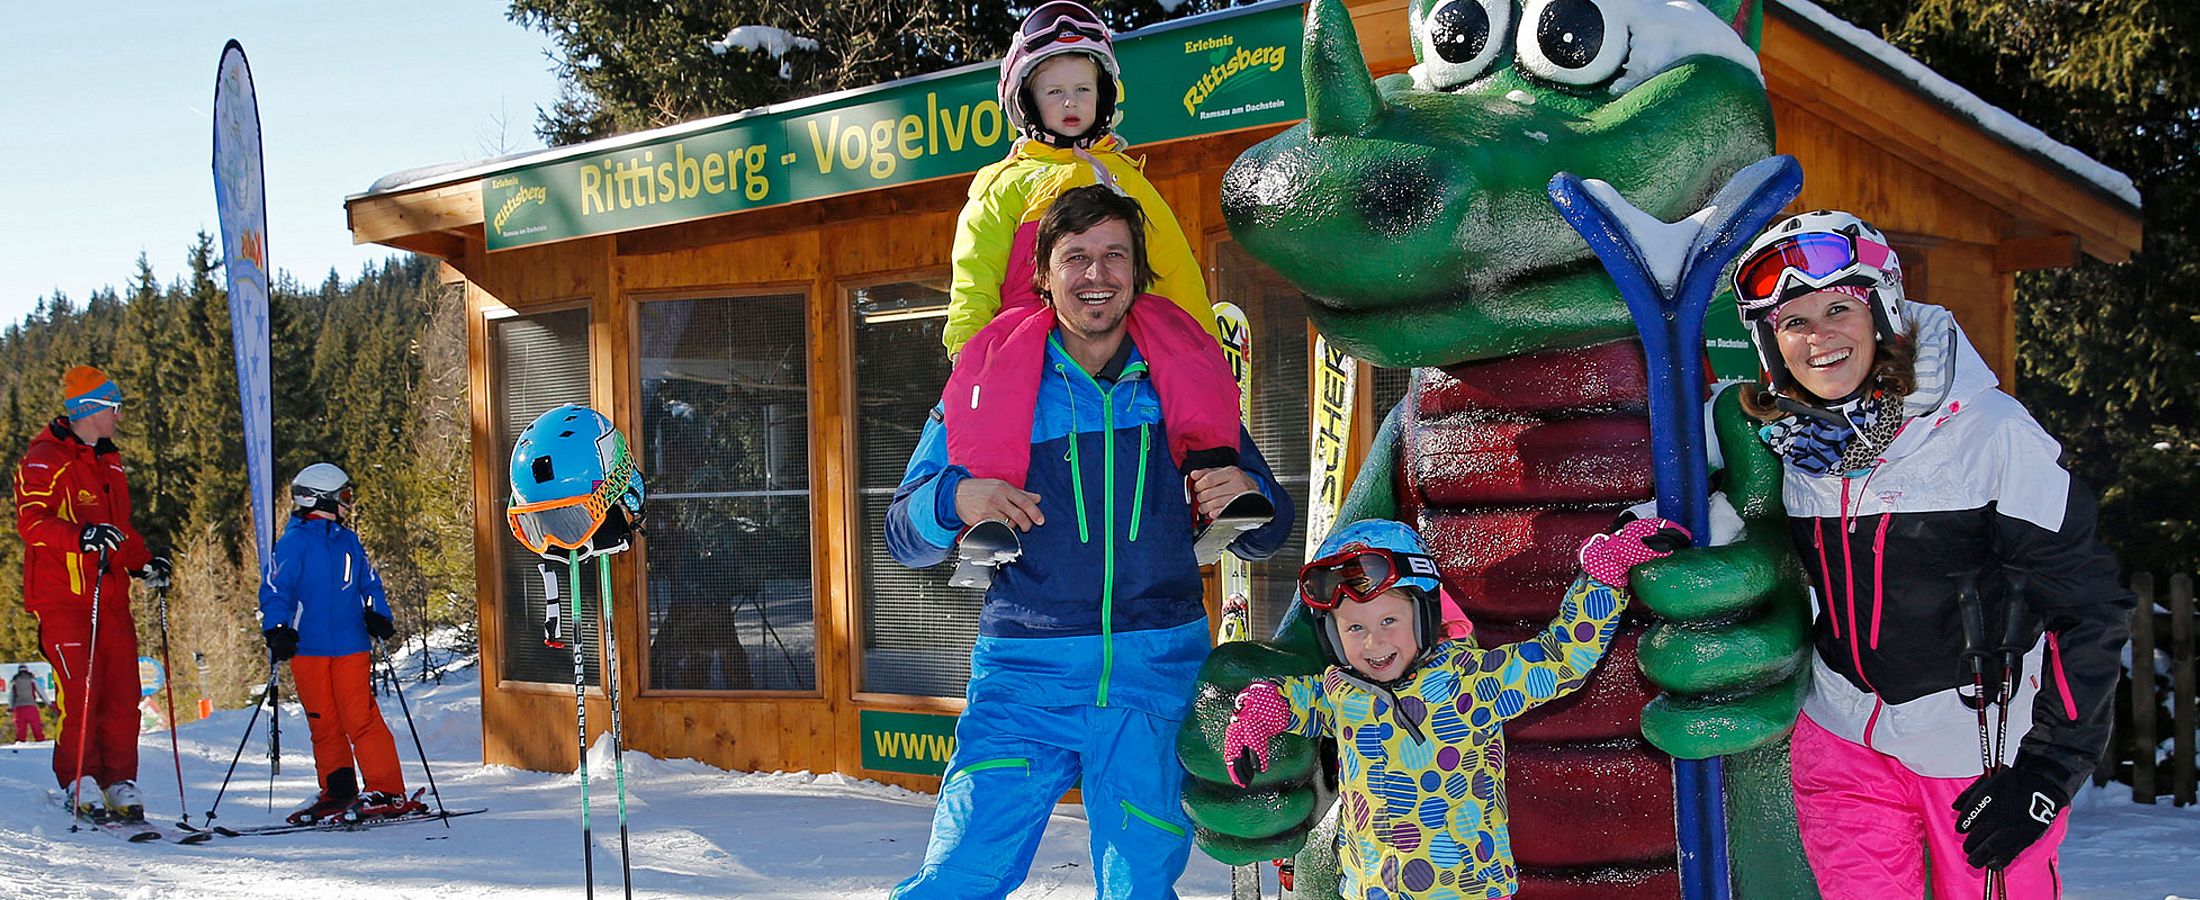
x=2003, y=813
x=98, y=536
x=157, y=574
x=379, y=626
x=282, y=640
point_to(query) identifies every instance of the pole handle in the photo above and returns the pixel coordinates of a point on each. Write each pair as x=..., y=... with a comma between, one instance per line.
x=1973, y=614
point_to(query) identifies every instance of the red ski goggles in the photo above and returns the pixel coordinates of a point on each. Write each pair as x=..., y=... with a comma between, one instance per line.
x=1067, y=27
x=1817, y=256
x=1359, y=574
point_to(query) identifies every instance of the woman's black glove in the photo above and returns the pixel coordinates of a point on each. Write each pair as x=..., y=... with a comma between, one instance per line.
x=2003, y=813
x=282, y=640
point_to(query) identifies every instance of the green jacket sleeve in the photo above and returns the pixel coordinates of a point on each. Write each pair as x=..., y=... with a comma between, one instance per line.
x=1177, y=274
x=984, y=232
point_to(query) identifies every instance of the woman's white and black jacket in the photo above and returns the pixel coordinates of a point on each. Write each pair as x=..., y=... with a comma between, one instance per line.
x=1970, y=484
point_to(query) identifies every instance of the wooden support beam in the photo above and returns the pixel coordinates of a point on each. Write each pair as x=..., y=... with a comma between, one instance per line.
x=449, y=246
x=2183, y=789
x=2054, y=251
x=2143, y=739
x=386, y=218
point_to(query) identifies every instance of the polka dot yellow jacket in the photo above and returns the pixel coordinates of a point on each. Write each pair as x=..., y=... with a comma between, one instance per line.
x=1421, y=812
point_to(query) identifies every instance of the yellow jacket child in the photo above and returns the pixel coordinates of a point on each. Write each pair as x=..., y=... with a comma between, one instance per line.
x=1058, y=87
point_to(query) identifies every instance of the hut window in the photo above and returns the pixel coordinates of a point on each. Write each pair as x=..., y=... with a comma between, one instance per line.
x=724, y=440
x=917, y=631
x=540, y=362
x=1281, y=345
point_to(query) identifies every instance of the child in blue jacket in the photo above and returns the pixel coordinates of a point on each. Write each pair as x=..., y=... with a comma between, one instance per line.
x=321, y=604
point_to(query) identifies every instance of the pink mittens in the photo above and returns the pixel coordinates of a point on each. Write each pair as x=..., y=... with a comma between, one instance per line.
x=1261, y=714
x=1608, y=557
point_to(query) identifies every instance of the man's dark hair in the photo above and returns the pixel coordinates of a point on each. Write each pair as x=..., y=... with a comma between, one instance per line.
x=1076, y=211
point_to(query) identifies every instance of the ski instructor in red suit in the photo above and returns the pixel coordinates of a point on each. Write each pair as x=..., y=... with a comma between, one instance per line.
x=72, y=503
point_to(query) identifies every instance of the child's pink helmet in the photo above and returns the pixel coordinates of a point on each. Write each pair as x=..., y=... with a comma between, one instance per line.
x=1057, y=27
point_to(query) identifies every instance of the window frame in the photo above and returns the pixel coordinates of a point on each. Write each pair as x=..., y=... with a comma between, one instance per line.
x=819, y=585
x=492, y=513
x=843, y=291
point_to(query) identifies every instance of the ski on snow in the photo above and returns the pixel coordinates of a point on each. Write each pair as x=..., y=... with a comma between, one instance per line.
x=327, y=825
x=138, y=832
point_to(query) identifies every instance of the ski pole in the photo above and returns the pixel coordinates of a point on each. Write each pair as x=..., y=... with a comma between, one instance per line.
x=1974, y=658
x=83, y=731
x=2013, y=645
x=175, y=749
x=391, y=668
x=1668, y=310
x=274, y=729
x=241, y=741
x=580, y=712
x=610, y=640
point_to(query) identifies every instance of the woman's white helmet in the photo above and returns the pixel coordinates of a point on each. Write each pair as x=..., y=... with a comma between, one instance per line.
x=322, y=487
x=1810, y=252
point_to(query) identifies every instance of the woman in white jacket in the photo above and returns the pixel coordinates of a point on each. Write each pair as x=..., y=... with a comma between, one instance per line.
x=1918, y=492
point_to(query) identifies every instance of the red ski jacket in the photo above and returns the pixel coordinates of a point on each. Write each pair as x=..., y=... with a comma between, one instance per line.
x=61, y=485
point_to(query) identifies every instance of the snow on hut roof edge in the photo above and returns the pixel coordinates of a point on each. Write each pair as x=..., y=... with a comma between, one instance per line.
x=1996, y=121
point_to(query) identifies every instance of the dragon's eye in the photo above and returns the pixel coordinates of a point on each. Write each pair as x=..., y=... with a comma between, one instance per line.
x=1574, y=42
x=1459, y=40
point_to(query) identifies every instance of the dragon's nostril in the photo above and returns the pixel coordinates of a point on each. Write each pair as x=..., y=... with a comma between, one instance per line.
x=1400, y=196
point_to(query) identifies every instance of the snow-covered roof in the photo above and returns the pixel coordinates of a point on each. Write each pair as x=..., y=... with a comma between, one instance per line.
x=1993, y=119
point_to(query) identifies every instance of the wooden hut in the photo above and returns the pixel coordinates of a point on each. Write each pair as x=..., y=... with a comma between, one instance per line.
x=756, y=300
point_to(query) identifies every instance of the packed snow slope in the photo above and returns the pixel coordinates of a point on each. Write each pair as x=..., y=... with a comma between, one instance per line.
x=695, y=831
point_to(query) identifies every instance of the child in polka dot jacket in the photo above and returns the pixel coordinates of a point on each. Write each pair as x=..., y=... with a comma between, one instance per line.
x=1417, y=716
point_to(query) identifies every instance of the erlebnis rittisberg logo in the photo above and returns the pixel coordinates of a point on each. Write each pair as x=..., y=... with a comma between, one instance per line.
x=520, y=197
x=1230, y=69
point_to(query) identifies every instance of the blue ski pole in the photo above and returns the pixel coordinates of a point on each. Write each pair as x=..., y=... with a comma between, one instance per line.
x=1667, y=274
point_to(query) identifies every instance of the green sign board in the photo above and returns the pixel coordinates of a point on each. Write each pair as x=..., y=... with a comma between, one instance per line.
x=1204, y=75
x=914, y=743
x=1733, y=357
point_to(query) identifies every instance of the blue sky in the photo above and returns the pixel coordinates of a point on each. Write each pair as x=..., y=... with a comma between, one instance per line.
x=108, y=145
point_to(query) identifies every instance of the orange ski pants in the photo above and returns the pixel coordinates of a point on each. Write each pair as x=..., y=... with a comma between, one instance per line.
x=346, y=724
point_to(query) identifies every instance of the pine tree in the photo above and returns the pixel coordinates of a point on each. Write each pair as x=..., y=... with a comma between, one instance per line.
x=2108, y=356
x=209, y=424
x=628, y=65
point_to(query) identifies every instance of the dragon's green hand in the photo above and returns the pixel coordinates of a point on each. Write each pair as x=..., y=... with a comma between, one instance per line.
x=1729, y=654
x=1268, y=818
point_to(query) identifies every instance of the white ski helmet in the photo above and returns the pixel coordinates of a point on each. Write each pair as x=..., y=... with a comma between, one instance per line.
x=1054, y=28
x=1809, y=252
x=322, y=487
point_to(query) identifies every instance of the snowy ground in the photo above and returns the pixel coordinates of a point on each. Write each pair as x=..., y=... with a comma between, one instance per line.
x=696, y=831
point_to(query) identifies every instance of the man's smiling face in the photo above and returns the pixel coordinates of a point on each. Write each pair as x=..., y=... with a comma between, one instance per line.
x=1092, y=277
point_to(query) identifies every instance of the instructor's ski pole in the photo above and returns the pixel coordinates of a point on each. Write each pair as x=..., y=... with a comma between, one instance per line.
x=1975, y=653
x=175, y=750
x=2013, y=645
x=84, y=728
